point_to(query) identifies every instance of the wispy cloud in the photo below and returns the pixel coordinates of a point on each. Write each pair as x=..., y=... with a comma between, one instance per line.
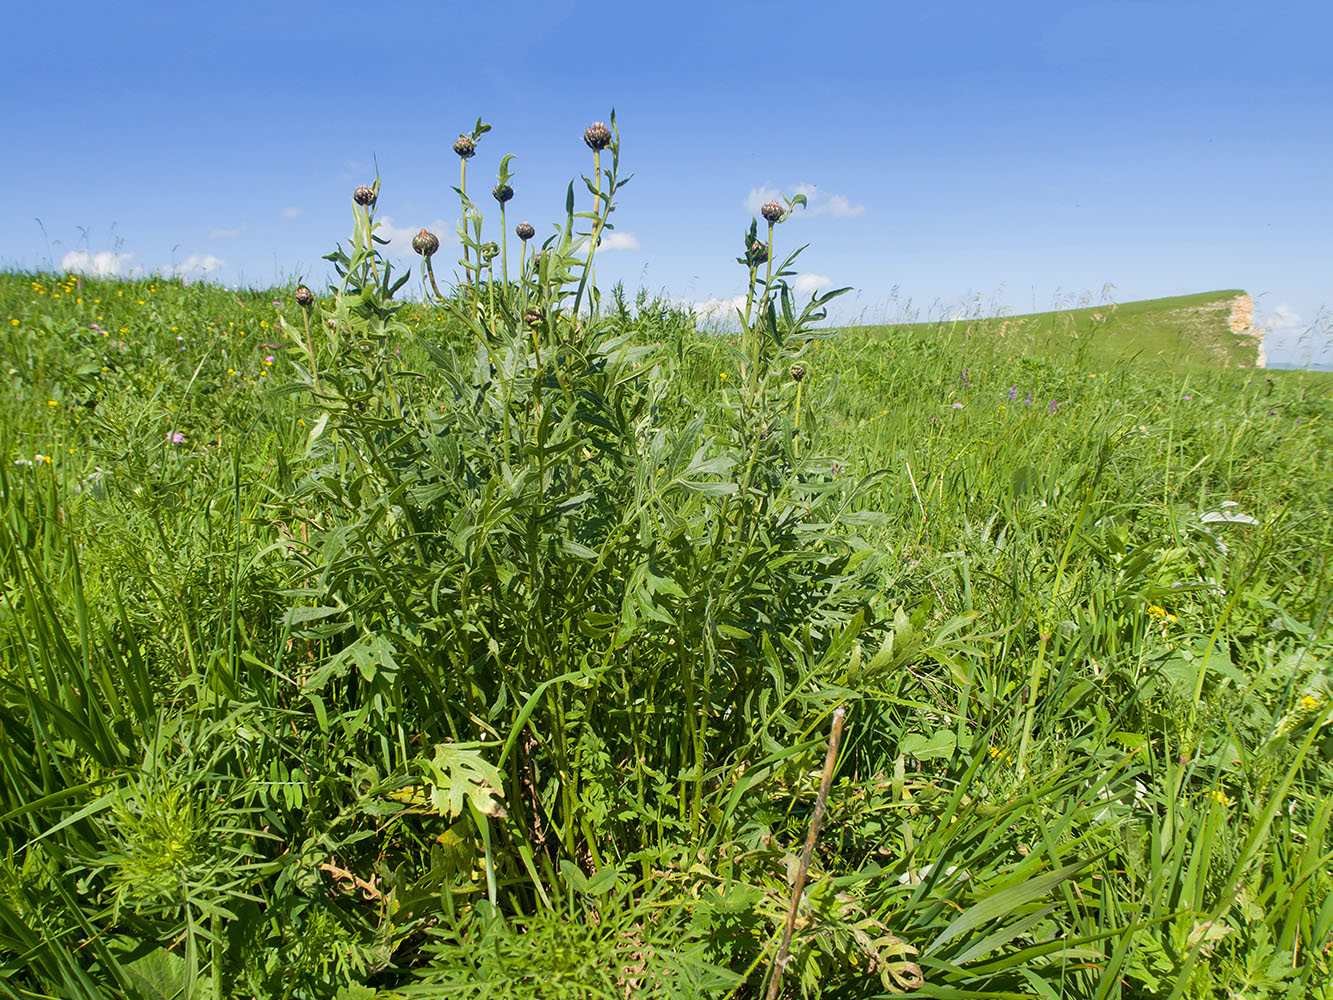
x=809, y=284
x=817, y=203
x=104, y=264
x=198, y=265
x=724, y=310
x=611, y=242
x=290, y=212
x=400, y=237
x=227, y=234
x=619, y=241
x=1283, y=321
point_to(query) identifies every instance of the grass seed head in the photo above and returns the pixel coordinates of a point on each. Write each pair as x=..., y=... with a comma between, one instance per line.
x=305, y=298
x=364, y=195
x=524, y=231
x=772, y=212
x=597, y=136
x=502, y=193
x=465, y=147
x=425, y=243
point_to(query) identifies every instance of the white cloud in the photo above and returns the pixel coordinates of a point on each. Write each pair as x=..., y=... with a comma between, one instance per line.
x=1283, y=320
x=610, y=243
x=227, y=234
x=619, y=241
x=198, y=264
x=290, y=212
x=817, y=203
x=400, y=237
x=719, y=309
x=104, y=264
x=809, y=284
x=838, y=207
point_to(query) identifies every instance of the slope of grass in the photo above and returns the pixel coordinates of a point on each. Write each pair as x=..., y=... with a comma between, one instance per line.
x=1179, y=331
x=265, y=651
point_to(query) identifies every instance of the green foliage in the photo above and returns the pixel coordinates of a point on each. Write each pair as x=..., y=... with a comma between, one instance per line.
x=402, y=648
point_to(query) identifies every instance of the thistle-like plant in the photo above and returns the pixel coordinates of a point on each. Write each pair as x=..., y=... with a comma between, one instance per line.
x=469, y=226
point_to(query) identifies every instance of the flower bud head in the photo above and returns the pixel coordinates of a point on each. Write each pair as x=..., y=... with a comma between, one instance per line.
x=489, y=250
x=797, y=372
x=465, y=147
x=772, y=212
x=502, y=193
x=758, y=253
x=533, y=316
x=425, y=243
x=597, y=136
x=364, y=195
x=524, y=231
x=305, y=298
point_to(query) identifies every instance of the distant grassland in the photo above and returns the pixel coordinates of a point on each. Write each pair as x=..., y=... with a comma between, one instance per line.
x=1180, y=330
x=283, y=607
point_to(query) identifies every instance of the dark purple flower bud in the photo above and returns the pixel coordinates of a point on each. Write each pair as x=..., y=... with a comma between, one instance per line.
x=502, y=193
x=425, y=243
x=597, y=136
x=364, y=195
x=305, y=298
x=772, y=212
x=465, y=147
x=524, y=231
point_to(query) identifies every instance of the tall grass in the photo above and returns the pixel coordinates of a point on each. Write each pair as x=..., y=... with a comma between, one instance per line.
x=487, y=646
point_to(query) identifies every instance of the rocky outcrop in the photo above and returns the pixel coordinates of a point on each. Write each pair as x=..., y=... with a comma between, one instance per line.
x=1241, y=323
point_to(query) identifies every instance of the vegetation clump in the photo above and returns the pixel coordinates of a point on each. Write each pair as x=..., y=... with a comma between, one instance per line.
x=488, y=644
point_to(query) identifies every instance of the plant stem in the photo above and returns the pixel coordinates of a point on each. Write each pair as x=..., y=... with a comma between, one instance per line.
x=830, y=761
x=596, y=235
x=467, y=258
x=504, y=247
x=430, y=271
x=310, y=346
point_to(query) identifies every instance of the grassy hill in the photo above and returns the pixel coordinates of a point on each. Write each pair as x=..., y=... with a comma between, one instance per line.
x=372, y=659
x=1191, y=330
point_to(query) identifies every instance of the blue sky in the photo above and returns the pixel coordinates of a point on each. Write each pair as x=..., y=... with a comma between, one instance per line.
x=958, y=156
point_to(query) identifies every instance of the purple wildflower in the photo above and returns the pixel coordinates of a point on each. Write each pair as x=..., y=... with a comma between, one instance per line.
x=175, y=437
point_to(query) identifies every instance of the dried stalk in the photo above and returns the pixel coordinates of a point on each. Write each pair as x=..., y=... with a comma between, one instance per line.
x=830, y=760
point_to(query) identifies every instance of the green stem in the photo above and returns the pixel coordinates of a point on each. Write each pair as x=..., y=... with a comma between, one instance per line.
x=310, y=346
x=1036, y=675
x=430, y=271
x=796, y=423
x=522, y=282
x=490, y=295
x=467, y=257
x=596, y=229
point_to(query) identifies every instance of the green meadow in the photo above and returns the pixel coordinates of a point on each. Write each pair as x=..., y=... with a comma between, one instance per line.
x=484, y=638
